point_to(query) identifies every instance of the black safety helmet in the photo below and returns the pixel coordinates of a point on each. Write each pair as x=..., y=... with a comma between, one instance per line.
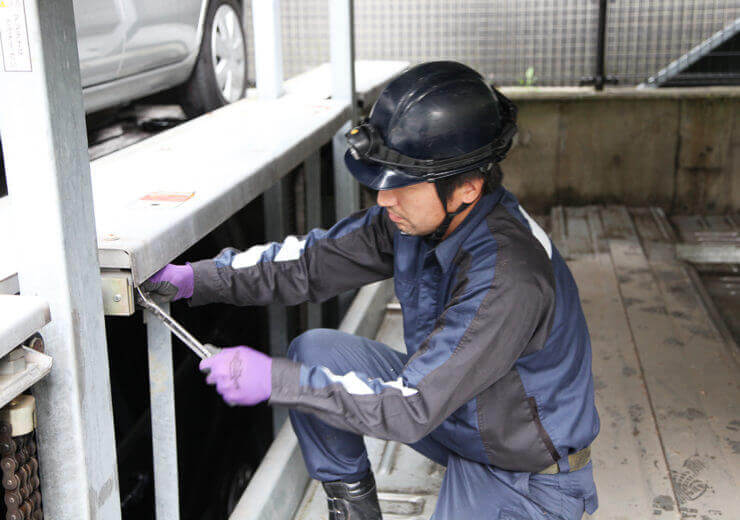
x=435, y=120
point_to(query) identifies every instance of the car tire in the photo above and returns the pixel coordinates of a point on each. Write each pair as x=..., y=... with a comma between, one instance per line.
x=206, y=90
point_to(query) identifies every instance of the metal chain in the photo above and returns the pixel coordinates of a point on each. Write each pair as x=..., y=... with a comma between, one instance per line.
x=20, y=475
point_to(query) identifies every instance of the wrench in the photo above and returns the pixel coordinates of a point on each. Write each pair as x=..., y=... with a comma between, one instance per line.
x=201, y=350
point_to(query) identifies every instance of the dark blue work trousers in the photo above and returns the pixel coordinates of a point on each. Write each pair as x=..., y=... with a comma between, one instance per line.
x=469, y=489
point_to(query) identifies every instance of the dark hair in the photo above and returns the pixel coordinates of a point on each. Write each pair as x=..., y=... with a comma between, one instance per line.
x=491, y=175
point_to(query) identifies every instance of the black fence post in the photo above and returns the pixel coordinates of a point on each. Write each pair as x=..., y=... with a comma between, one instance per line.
x=600, y=78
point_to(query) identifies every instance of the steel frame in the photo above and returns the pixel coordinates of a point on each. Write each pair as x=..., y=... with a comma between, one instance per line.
x=48, y=171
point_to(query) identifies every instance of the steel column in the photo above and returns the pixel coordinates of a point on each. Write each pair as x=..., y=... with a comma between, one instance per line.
x=268, y=48
x=342, y=49
x=164, y=432
x=277, y=226
x=346, y=196
x=346, y=188
x=312, y=171
x=48, y=171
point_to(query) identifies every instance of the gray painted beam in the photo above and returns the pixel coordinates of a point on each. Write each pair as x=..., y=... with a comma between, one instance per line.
x=45, y=147
x=312, y=170
x=277, y=226
x=164, y=433
x=342, y=50
x=346, y=188
x=242, y=162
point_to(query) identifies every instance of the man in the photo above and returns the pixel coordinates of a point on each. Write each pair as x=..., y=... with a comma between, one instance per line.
x=496, y=384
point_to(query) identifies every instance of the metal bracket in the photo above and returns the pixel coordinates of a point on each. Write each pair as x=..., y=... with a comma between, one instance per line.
x=118, y=293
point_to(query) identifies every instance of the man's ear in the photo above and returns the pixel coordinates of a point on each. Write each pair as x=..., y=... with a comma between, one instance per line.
x=471, y=190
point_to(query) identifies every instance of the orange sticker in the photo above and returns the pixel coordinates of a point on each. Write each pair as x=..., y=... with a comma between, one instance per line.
x=163, y=196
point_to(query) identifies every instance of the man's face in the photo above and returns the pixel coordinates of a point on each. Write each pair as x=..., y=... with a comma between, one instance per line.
x=415, y=209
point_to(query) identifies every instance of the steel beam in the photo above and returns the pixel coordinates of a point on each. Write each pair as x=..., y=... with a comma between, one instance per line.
x=45, y=146
x=346, y=188
x=312, y=170
x=164, y=434
x=277, y=218
x=268, y=48
x=342, y=49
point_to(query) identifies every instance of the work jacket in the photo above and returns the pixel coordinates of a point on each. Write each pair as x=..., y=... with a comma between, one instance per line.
x=500, y=357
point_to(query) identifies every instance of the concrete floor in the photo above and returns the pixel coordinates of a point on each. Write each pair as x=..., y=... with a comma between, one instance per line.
x=667, y=384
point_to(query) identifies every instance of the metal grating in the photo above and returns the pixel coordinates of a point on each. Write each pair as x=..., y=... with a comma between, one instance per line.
x=504, y=38
x=501, y=39
x=716, y=60
x=643, y=36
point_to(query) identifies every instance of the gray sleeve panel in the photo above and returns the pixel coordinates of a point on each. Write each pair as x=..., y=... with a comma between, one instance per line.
x=358, y=250
x=516, y=311
x=285, y=377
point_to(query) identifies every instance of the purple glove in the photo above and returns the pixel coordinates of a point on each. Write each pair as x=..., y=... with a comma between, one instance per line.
x=242, y=375
x=170, y=283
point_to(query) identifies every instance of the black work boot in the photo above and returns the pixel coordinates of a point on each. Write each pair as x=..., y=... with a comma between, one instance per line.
x=353, y=500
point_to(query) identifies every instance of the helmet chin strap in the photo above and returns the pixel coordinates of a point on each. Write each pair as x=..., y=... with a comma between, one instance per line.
x=438, y=233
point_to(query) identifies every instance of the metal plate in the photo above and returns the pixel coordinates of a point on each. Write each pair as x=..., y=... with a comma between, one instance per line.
x=20, y=317
x=118, y=296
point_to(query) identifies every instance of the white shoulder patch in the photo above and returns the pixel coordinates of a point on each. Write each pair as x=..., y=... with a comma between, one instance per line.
x=249, y=257
x=398, y=385
x=356, y=386
x=350, y=381
x=538, y=232
x=290, y=249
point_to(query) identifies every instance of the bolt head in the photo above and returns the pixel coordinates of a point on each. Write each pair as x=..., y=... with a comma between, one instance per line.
x=117, y=298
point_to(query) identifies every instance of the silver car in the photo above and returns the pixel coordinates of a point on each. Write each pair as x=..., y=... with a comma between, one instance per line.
x=133, y=48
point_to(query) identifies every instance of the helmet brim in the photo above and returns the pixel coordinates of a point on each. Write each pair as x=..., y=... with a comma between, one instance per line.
x=378, y=176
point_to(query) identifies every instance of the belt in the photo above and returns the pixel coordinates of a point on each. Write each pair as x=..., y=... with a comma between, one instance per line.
x=576, y=461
